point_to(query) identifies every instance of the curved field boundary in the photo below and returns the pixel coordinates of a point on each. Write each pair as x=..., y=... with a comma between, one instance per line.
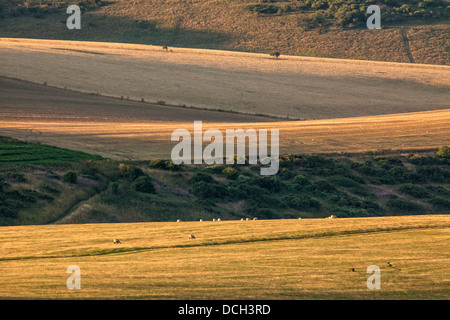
x=295, y=87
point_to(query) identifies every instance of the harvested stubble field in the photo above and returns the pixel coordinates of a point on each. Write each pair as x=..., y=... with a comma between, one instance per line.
x=136, y=131
x=295, y=87
x=263, y=259
x=391, y=105
x=229, y=25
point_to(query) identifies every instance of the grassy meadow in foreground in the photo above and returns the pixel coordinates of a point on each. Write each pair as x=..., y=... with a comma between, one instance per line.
x=262, y=259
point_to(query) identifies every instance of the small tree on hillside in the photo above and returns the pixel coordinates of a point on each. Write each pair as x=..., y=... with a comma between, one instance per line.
x=275, y=54
x=70, y=177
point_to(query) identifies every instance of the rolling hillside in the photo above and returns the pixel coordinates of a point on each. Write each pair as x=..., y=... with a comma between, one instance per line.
x=132, y=130
x=416, y=31
x=278, y=259
x=288, y=87
x=40, y=184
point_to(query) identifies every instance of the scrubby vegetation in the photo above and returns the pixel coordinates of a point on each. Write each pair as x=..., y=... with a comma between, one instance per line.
x=321, y=28
x=39, y=9
x=353, y=13
x=41, y=191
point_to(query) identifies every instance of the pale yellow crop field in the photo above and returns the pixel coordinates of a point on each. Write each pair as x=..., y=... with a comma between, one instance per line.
x=262, y=259
x=152, y=139
x=298, y=87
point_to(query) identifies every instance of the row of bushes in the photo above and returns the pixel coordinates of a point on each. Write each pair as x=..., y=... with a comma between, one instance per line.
x=352, y=13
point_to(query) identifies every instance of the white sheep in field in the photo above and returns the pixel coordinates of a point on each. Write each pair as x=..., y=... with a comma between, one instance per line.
x=242, y=219
x=214, y=219
x=191, y=236
x=255, y=218
x=332, y=217
x=218, y=219
x=116, y=241
x=201, y=220
x=178, y=220
x=246, y=219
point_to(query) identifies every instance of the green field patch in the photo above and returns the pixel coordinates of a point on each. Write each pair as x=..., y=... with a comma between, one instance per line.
x=16, y=152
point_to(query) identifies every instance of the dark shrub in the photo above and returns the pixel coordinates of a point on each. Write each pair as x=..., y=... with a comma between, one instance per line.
x=8, y=212
x=114, y=187
x=360, y=191
x=143, y=184
x=2, y=183
x=342, y=181
x=19, y=177
x=70, y=177
x=443, y=152
x=24, y=197
x=230, y=172
x=439, y=190
x=131, y=173
x=208, y=190
x=404, y=206
x=263, y=8
x=264, y=213
x=322, y=188
x=300, y=182
x=270, y=183
x=217, y=169
x=434, y=173
x=440, y=203
x=164, y=165
x=200, y=176
x=89, y=169
x=301, y=202
x=413, y=190
x=246, y=191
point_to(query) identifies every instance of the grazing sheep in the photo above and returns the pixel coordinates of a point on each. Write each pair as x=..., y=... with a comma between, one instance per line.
x=214, y=219
x=332, y=217
x=218, y=219
x=246, y=219
x=242, y=219
x=299, y=218
x=117, y=241
x=191, y=236
x=178, y=220
x=255, y=218
x=201, y=220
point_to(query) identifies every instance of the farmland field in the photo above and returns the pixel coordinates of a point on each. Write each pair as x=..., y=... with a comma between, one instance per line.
x=419, y=33
x=85, y=150
x=106, y=126
x=290, y=259
x=294, y=87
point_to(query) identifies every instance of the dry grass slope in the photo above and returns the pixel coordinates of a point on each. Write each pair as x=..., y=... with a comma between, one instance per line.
x=295, y=87
x=135, y=131
x=290, y=259
x=226, y=24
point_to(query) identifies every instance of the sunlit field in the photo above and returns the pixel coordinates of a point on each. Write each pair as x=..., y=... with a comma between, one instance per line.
x=152, y=139
x=291, y=86
x=255, y=259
